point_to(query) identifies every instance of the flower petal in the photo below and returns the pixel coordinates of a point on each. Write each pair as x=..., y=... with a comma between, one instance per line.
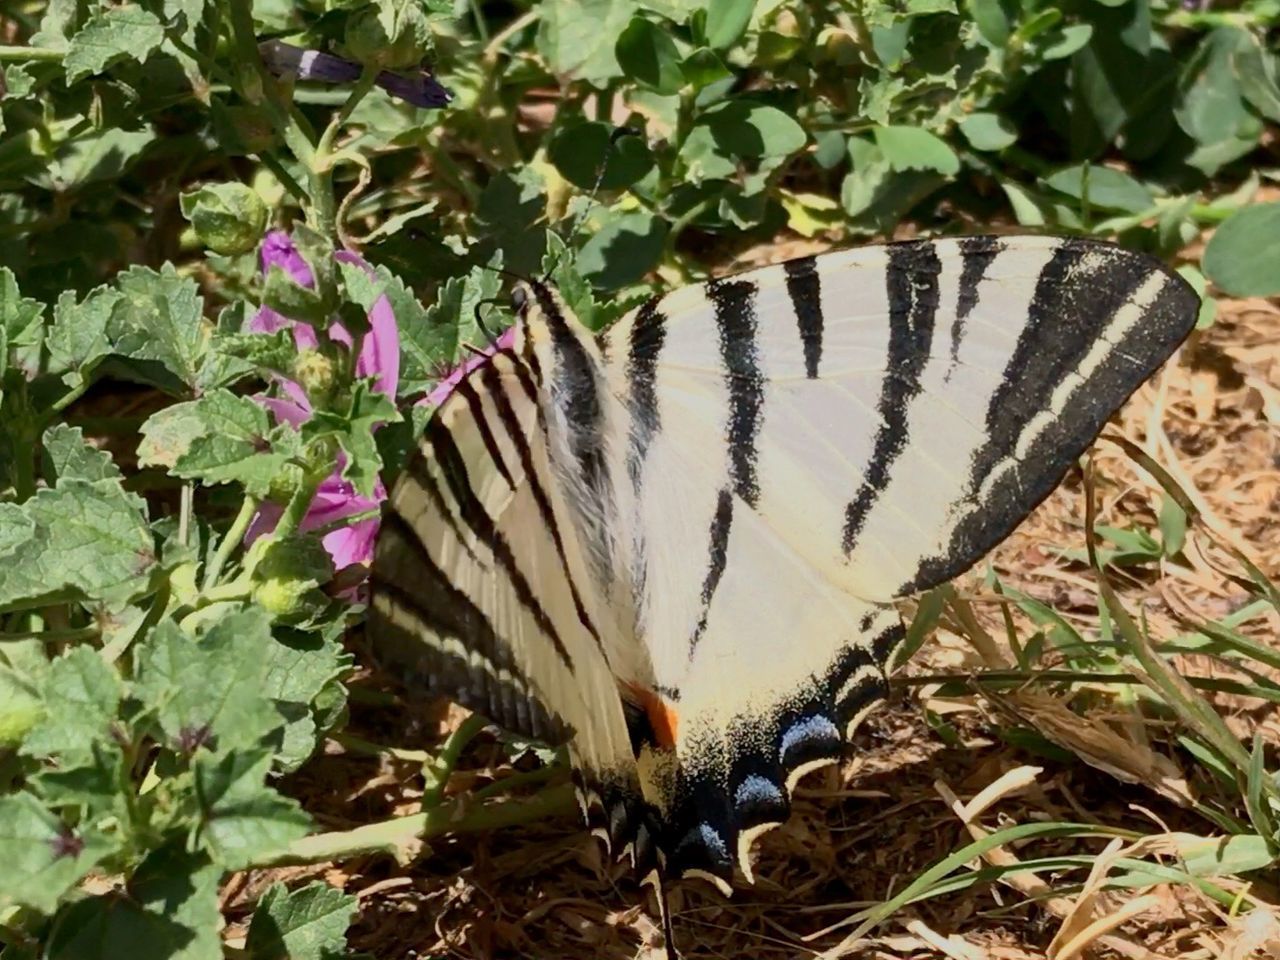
x=380, y=351
x=278, y=250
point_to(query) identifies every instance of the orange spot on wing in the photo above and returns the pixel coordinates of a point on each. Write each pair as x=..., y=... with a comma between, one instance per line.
x=663, y=717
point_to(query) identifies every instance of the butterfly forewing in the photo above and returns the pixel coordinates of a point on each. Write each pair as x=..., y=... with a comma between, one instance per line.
x=479, y=592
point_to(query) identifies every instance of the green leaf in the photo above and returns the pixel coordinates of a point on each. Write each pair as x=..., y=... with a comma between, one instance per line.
x=91, y=537
x=160, y=321
x=1070, y=39
x=577, y=37
x=1026, y=208
x=97, y=155
x=18, y=82
x=425, y=343
x=988, y=131
x=754, y=130
x=623, y=250
x=1211, y=108
x=991, y=20
x=704, y=67
x=69, y=455
x=208, y=691
x=726, y=22
x=121, y=33
x=703, y=158
x=1242, y=254
x=579, y=148
x=290, y=299
x=77, y=338
x=242, y=819
x=19, y=316
x=169, y=912
x=1104, y=187
x=558, y=263
x=1255, y=70
x=81, y=695
x=168, y=434
x=647, y=54
x=308, y=924
x=42, y=856
x=914, y=148
x=354, y=431
x=236, y=443
x=300, y=665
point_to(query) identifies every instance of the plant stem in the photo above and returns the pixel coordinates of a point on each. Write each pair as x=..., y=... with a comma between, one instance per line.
x=398, y=837
x=437, y=772
x=29, y=54
x=297, y=508
x=52, y=636
x=348, y=521
x=235, y=533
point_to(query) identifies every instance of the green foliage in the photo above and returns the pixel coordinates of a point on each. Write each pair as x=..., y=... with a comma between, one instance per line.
x=170, y=623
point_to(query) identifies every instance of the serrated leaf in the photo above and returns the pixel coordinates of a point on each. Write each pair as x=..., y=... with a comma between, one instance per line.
x=18, y=82
x=120, y=33
x=160, y=320
x=914, y=148
x=558, y=263
x=299, y=667
x=91, y=787
x=354, y=430
x=307, y=924
x=77, y=338
x=70, y=456
x=42, y=856
x=81, y=694
x=91, y=537
x=236, y=444
x=208, y=691
x=168, y=434
x=170, y=912
x=427, y=342
x=242, y=819
x=19, y=316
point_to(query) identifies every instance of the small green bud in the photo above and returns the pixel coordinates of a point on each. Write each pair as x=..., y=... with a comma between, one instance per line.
x=388, y=42
x=287, y=574
x=229, y=217
x=314, y=371
x=288, y=600
x=285, y=484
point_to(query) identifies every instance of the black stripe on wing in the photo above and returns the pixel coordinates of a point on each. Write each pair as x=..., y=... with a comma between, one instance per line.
x=648, y=334
x=407, y=582
x=912, y=278
x=804, y=287
x=481, y=524
x=976, y=255
x=718, y=545
x=734, y=302
x=510, y=422
x=1077, y=298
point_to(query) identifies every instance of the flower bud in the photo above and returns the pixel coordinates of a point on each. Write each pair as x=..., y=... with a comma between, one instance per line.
x=398, y=45
x=287, y=574
x=314, y=372
x=228, y=217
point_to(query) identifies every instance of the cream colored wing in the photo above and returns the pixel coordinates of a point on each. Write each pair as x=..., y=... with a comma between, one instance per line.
x=812, y=440
x=478, y=586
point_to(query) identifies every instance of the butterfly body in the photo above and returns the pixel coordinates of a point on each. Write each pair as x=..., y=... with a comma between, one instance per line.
x=676, y=546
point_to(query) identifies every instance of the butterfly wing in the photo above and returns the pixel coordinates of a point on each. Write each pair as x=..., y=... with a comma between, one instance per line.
x=478, y=589
x=834, y=433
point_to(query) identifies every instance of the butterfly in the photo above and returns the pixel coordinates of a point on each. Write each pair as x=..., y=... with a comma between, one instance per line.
x=676, y=546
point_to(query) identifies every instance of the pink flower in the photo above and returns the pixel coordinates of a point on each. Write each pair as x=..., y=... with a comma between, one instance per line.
x=379, y=358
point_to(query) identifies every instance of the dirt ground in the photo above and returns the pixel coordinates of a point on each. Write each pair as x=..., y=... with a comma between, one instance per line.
x=862, y=831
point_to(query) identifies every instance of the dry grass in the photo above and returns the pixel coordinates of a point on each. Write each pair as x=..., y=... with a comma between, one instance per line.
x=930, y=773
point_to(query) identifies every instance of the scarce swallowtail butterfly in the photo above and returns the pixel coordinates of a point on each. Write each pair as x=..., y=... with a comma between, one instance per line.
x=676, y=545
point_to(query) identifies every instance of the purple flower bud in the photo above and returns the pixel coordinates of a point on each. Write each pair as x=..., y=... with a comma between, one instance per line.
x=284, y=59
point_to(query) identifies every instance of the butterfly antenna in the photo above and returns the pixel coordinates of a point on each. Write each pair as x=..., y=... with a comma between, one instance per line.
x=488, y=334
x=601, y=168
